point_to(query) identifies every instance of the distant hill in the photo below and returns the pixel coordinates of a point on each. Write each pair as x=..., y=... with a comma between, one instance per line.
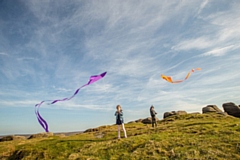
x=190, y=136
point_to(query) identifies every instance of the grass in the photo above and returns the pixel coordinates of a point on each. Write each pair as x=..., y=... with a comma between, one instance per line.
x=191, y=136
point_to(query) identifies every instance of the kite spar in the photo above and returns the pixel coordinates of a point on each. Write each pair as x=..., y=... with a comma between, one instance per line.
x=42, y=122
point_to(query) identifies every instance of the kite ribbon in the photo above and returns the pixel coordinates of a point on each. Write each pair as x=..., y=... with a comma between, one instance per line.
x=42, y=122
x=169, y=79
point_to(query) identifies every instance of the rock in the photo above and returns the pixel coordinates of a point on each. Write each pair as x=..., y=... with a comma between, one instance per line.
x=91, y=130
x=10, y=138
x=139, y=120
x=168, y=114
x=211, y=108
x=131, y=122
x=232, y=109
x=41, y=135
x=148, y=120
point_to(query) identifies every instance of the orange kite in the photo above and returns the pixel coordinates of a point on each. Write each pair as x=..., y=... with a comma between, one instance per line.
x=169, y=79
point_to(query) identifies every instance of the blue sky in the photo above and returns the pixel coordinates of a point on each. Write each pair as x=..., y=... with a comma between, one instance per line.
x=48, y=49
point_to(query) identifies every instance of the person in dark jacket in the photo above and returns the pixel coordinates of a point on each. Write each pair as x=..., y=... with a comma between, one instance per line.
x=153, y=115
x=120, y=121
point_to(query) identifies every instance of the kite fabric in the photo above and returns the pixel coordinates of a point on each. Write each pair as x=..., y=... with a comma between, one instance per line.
x=42, y=122
x=169, y=79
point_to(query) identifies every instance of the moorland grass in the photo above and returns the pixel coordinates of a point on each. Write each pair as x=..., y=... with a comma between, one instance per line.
x=191, y=136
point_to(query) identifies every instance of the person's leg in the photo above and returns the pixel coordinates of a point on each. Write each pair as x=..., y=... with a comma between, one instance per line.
x=119, y=136
x=153, y=122
x=124, y=130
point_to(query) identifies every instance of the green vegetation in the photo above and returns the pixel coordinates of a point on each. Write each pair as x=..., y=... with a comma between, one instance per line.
x=191, y=136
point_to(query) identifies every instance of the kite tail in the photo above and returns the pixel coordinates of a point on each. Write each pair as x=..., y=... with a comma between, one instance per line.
x=42, y=122
x=169, y=79
x=67, y=99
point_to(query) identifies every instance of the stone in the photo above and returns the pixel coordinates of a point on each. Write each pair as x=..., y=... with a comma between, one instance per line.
x=172, y=113
x=91, y=130
x=148, y=120
x=139, y=120
x=12, y=137
x=211, y=108
x=232, y=109
x=41, y=135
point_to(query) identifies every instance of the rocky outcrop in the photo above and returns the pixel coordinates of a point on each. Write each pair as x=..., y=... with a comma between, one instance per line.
x=139, y=120
x=232, y=109
x=91, y=130
x=172, y=113
x=148, y=120
x=10, y=138
x=41, y=135
x=211, y=108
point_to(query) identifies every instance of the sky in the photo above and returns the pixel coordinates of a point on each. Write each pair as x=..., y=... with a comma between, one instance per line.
x=48, y=49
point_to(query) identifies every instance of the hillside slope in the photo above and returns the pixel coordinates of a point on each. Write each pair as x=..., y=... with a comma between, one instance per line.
x=191, y=136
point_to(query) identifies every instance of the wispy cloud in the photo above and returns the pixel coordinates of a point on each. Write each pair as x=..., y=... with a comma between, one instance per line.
x=196, y=43
x=221, y=51
x=3, y=54
x=202, y=6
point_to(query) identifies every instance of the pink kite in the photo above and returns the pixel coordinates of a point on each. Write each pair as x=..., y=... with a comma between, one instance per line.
x=169, y=79
x=42, y=122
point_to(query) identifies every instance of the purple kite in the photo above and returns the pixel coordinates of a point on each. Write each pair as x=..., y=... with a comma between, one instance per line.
x=37, y=106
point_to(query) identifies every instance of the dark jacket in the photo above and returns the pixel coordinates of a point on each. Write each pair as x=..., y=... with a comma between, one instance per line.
x=152, y=112
x=120, y=115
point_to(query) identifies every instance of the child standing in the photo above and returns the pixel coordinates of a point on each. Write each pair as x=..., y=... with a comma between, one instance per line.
x=153, y=115
x=119, y=121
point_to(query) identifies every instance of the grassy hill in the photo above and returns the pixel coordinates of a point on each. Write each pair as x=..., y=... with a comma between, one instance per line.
x=191, y=136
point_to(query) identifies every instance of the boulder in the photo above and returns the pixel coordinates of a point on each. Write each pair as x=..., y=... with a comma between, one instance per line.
x=148, y=120
x=211, y=108
x=41, y=135
x=232, y=109
x=172, y=113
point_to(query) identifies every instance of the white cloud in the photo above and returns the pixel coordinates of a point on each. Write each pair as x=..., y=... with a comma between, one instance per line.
x=3, y=54
x=221, y=51
x=202, y=6
x=17, y=103
x=196, y=43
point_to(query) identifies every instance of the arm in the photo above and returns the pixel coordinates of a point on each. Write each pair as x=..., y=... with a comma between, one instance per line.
x=153, y=113
x=120, y=113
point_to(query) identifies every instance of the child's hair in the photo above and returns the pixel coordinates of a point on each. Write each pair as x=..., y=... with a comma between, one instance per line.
x=151, y=107
x=118, y=106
